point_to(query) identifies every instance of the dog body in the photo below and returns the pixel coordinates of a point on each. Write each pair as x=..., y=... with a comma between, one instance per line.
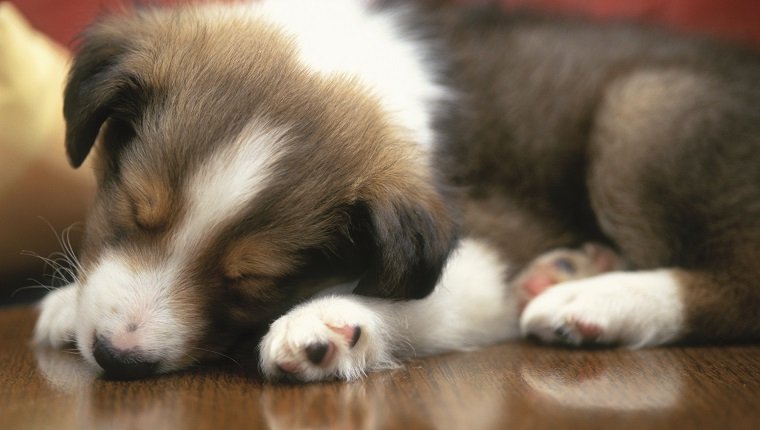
x=251, y=156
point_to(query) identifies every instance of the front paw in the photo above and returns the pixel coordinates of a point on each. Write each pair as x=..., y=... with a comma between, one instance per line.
x=328, y=338
x=631, y=309
x=56, y=324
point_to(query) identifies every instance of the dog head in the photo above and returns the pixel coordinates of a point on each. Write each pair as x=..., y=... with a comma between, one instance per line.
x=233, y=181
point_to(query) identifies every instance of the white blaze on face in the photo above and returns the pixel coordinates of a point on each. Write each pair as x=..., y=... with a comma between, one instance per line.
x=227, y=183
x=133, y=300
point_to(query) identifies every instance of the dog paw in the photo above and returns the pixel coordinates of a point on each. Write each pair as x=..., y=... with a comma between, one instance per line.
x=631, y=309
x=562, y=265
x=327, y=338
x=56, y=322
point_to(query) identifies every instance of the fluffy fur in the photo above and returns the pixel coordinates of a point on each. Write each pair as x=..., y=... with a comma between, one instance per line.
x=255, y=159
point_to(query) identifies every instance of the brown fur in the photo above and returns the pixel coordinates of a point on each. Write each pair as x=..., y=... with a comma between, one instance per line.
x=172, y=88
x=563, y=133
x=583, y=132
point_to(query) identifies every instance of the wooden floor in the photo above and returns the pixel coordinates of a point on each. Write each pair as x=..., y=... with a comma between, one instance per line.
x=516, y=386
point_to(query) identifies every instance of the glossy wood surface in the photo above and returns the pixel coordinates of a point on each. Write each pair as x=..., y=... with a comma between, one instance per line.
x=514, y=386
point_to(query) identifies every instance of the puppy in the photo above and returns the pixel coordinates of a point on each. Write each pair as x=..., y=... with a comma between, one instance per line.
x=252, y=156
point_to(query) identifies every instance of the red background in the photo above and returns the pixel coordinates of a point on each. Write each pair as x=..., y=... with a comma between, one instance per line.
x=731, y=19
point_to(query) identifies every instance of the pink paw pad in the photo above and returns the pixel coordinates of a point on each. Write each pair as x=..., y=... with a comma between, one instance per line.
x=322, y=354
x=577, y=332
x=287, y=367
x=561, y=265
x=587, y=330
x=349, y=333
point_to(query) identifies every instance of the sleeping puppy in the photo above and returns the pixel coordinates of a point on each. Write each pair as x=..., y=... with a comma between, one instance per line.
x=260, y=156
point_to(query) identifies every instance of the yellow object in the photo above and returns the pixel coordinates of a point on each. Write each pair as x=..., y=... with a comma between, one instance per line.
x=32, y=75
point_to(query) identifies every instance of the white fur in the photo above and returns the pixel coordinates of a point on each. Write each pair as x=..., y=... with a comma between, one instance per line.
x=143, y=288
x=306, y=325
x=118, y=295
x=131, y=298
x=344, y=37
x=472, y=306
x=57, y=321
x=137, y=287
x=228, y=182
x=635, y=309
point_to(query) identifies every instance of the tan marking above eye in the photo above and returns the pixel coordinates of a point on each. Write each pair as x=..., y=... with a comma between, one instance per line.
x=260, y=290
x=151, y=203
x=251, y=257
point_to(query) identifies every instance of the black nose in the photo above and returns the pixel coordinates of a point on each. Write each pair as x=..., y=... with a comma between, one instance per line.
x=121, y=364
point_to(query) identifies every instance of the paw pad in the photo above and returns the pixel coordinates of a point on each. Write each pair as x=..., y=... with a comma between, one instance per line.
x=319, y=353
x=349, y=333
x=327, y=338
x=577, y=332
x=562, y=265
x=322, y=354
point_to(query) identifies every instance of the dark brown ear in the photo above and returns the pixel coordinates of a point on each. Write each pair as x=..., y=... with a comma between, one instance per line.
x=96, y=84
x=412, y=241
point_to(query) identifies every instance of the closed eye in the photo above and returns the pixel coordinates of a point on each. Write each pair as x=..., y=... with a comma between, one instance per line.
x=255, y=287
x=248, y=279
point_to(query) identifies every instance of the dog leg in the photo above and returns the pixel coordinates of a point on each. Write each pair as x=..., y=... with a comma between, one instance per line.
x=635, y=309
x=672, y=185
x=648, y=308
x=56, y=323
x=346, y=336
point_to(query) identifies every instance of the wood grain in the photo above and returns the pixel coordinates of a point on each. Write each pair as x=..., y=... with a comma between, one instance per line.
x=515, y=386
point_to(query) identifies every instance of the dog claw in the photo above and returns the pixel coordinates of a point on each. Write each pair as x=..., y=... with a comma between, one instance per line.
x=577, y=332
x=355, y=337
x=566, y=335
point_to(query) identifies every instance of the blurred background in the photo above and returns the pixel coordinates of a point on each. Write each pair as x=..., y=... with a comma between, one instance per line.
x=41, y=197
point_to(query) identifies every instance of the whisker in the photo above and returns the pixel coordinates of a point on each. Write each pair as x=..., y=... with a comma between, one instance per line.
x=64, y=263
x=60, y=272
x=219, y=354
x=193, y=359
x=52, y=229
x=33, y=287
x=66, y=239
x=46, y=260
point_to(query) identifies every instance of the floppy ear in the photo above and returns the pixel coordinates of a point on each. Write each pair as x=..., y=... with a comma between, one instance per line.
x=94, y=85
x=412, y=241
